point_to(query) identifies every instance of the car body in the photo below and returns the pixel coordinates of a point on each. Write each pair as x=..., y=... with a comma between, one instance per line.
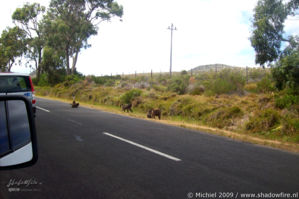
x=18, y=84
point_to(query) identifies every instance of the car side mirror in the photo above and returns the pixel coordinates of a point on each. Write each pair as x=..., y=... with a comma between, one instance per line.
x=18, y=144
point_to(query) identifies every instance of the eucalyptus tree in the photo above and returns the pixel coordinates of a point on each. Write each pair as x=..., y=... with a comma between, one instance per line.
x=70, y=23
x=268, y=29
x=29, y=19
x=11, y=47
x=272, y=45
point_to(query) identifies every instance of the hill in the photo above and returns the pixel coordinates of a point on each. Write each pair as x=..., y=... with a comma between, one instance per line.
x=212, y=67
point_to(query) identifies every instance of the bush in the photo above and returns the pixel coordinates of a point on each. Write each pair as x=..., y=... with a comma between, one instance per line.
x=159, y=88
x=263, y=121
x=256, y=73
x=224, y=116
x=196, y=89
x=72, y=79
x=130, y=95
x=291, y=126
x=177, y=107
x=178, y=84
x=106, y=80
x=286, y=101
x=43, y=80
x=225, y=82
x=265, y=85
x=251, y=87
x=286, y=71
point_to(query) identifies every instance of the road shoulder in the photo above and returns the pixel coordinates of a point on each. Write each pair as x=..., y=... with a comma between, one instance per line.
x=287, y=146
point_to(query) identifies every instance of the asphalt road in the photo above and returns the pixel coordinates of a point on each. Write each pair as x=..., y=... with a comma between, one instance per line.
x=86, y=153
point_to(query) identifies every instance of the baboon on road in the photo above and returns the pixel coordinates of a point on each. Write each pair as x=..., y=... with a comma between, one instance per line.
x=74, y=104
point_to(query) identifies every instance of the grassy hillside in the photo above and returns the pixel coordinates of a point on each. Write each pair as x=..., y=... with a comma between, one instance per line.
x=230, y=99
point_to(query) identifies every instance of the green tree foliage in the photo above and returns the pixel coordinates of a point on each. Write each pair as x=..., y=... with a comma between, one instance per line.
x=74, y=22
x=268, y=24
x=267, y=39
x=28, y=18
x=11, y=47
x=53, y=40
x=286, y=70
x=268, y=32
x=52, y=65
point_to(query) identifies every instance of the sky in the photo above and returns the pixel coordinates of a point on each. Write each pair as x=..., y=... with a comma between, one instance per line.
x=207, y=32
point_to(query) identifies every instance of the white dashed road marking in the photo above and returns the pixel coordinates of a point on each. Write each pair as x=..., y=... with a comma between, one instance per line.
x=75, y=122
x=42, y=109
x=144, y=147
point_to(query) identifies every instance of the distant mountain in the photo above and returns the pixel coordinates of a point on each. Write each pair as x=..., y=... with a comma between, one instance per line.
x=211, y=67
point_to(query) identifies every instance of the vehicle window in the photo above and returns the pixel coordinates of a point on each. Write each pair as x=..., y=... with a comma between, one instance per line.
x=4, y=145
x=14, y=84
x=18, y=123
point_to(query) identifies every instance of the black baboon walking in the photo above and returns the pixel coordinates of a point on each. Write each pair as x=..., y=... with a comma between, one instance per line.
x=126, y=107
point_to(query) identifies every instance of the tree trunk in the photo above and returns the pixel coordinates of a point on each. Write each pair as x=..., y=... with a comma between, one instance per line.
x=9, y=66
x=38, y=65
x=67, y=61
x=75, y=58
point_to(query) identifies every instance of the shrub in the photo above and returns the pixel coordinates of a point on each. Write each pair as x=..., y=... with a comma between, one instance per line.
x=162, y=80
x=251, y=87
x=178, y=84
x=291, y=126
x=286, y=71
x=177, y=106
x=256, y=73
x=43, y=80
x=130, y=95
x=106, y=80
x=196, y=89
x=263, y=121
x=223, y=116
x=225, y=82
x=159, y=88
x=72, y=79
x=184, y=72
x=265, y=85
x=286, y=101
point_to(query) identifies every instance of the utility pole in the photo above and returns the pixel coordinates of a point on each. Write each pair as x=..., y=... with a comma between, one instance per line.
x=171, y=28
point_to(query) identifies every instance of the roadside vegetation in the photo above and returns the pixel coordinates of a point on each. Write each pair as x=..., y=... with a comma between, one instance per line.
x=227, y=99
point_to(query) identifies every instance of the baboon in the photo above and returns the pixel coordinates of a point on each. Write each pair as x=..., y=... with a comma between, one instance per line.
x=127, y=107
x=74, y=104
x=154, y=112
